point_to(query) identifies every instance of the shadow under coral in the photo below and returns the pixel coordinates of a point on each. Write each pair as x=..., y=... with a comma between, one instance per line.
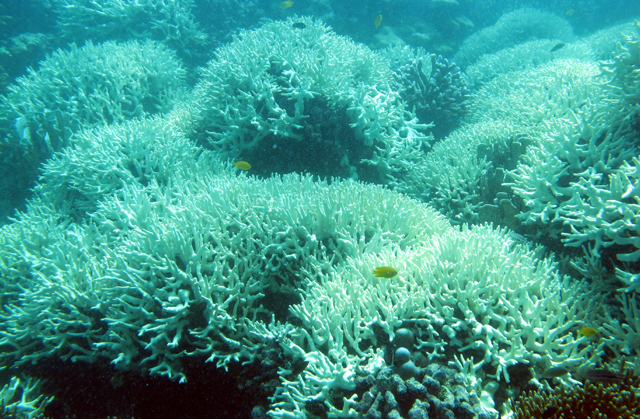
x=98, y=390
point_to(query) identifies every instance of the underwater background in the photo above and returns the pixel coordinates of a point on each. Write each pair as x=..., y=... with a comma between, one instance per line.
x=319, y=209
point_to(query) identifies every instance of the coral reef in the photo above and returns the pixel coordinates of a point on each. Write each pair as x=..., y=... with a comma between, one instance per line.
x=94, y=84
x=170, y=22
x=461, y=176
x=437, y=92
x=158, y=269
x=291, y=84
x=580, y=179
x=474, y=299
x=524, y=56
x=511, y=29
x=207, y=299
x=107, y=159
x=21, y=399
x=78, y=89
x=438, y=393
x=144, y=248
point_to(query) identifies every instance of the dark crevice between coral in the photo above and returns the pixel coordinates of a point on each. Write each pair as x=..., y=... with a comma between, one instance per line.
x=99, y=390
x=327, y=138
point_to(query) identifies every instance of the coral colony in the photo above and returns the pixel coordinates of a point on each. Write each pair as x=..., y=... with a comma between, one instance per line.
x=414, y=279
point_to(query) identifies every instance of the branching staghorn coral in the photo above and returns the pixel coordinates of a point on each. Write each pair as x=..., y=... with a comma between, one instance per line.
x=78, y=89
x=262, y=91
x=103, y=160
x=462, y=174
x=438, y=92
x=582, y=179
x=511, y=29
x=94, y=84
x=166, y=271
x=21, y=399
x=473, y=290
x=170, y=22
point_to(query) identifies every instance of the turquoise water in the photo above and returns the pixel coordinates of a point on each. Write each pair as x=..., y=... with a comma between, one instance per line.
x=198, y=197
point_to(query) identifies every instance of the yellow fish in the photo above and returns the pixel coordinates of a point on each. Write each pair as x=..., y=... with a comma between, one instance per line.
x=286, y=4
x=570, y=12
x=589, y=332
x=242, y=165
x=378, y=21
x=384, y=272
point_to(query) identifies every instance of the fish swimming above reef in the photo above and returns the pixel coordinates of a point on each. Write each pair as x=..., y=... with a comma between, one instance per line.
x=558, y=46
x=378, y=21
x=286, y=4
x=299, y=25
x=589, y=332
x=242, y=165
x=599, y=376
x=384, y=272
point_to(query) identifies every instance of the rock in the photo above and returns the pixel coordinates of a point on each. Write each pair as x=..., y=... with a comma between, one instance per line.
x=367, y=400
x=364, y=383
x=259, y=412
x=442, y=411
x=464, y=411
x=461, y=394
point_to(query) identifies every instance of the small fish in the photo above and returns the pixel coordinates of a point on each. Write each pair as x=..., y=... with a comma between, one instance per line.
x=378, y=21
x=600, y=376
x=555, y=372
x=570, y=12
x=286, y=4
x=558, y=46
x=299, y=25
x=384, y=272
x=242, y=165
x=589, y=332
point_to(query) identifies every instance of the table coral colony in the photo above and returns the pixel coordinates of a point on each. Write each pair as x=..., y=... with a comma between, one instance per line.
x=159, y=237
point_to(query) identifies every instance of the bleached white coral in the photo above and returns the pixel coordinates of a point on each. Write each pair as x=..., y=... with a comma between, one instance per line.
x=22, y=398
x=513, y=28
x=459, y=174
x=605, y=215
x=90, y=85
x=621, y=328
x=524, y=56
x=265, y=84
x=474, y=290
x=184, y=268
x=171, y=22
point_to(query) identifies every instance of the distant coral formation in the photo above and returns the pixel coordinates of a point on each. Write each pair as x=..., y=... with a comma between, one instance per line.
x=170, y=22
x=511, y=29
x=77, y=89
